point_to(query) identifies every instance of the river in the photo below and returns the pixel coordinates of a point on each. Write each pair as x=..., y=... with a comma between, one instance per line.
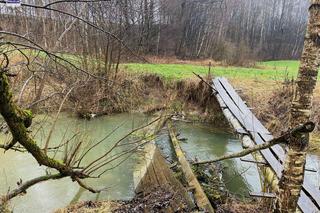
x=203, y=142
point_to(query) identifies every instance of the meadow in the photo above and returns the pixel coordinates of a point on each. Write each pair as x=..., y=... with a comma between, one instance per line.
x=270, y=70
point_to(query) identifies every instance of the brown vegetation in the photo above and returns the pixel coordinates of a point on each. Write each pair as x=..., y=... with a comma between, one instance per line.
x=157, y=200
x=236, y=206
x=271, y=100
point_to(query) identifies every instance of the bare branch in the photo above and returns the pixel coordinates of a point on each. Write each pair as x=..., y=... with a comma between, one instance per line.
x=307, y=127
x=24, y=186
x=119, y=141
x=76, y=1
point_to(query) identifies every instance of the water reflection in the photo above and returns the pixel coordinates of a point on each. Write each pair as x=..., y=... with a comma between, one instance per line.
x=208, y=143
x=203, y=143
x=54, y=194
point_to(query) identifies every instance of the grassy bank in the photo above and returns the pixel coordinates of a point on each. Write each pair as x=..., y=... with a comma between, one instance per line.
x=178, y=69
x=271, y=70
x=262, y=87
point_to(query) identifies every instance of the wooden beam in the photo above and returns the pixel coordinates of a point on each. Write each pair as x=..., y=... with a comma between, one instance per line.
x=264, y=163
x=262, y=194
x=200, y=197
x=253, y=161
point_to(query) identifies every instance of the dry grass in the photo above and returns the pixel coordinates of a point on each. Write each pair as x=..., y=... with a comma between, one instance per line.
x=271, y=101
x=175, y=60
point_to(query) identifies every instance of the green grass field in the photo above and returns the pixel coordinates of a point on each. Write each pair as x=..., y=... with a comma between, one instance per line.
x=271, y=70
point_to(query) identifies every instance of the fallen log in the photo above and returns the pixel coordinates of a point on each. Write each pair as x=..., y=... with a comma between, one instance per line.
x=201, y=198
x=154, y=172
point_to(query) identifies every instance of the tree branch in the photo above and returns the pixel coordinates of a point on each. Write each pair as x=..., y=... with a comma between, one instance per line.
x=307, y=127
x=24, y=186
x=15, y=118
x=75, y=1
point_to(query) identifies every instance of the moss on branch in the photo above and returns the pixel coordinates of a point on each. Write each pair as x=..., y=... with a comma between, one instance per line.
x=18, y=121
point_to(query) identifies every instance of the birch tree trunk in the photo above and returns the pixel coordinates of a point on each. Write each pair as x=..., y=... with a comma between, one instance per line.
x=292, y=178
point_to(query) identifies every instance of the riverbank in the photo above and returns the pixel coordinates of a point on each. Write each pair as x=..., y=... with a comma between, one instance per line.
x=157, y=201
x=199, y=141
x=190, y=99
x=267, y=88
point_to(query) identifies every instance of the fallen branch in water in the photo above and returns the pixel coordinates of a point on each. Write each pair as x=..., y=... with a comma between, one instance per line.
x=24, y=186
x=285, y=138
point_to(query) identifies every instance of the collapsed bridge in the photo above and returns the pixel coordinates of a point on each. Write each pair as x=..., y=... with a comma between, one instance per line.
x=232, y=104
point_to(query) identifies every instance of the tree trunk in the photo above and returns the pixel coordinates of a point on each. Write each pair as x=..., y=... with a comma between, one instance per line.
x=292, y=179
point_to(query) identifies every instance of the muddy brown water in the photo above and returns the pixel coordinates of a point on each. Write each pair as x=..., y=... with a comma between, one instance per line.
x=203, y=142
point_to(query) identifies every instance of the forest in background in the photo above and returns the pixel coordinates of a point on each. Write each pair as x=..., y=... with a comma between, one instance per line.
x=76, y=56
x=235, y=31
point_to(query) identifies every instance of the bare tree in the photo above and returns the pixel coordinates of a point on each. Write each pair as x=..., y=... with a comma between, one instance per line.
x=219, y=29
x=70, y=76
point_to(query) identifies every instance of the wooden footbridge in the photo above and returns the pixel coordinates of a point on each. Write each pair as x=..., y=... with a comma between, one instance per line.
x=229, y=99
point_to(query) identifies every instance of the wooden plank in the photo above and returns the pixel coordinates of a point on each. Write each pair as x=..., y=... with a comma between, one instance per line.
x=277, y=167
x=253, y=161
x=306, y=205
x=225, y=97
x=260, y=134
x=241, y=131
x=277, y=149
x=231, y=105
x=266, y=135
x=307, y=186
x=242, y=118
x=312, y=190
x=238, y=100
x=280, y=153
x=227, y=113
x=257, y=126
x=262, y=194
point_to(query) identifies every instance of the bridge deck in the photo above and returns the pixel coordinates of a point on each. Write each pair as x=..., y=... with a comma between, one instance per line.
x=310, y=195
